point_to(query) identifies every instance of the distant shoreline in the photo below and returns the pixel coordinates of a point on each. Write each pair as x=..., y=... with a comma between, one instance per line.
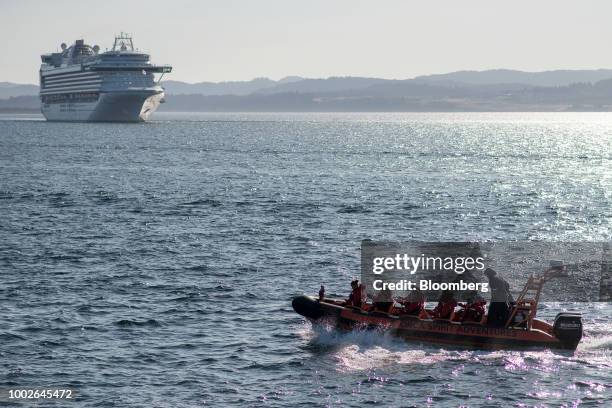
x=516, y=110
x=27, y=111
x=19, y=110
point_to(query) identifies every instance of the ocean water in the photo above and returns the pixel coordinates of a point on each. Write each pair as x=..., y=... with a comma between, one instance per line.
x=153, y=265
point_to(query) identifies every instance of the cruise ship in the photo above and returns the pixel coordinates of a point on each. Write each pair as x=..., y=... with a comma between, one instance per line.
x=80, y=83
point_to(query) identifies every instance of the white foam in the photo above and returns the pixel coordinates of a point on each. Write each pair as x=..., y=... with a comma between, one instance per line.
x=362, y=350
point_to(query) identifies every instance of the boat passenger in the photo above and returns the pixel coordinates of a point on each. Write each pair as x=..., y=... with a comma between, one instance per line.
x=472, y=311
x=414, y=303
x=356, y=297
x=321, y=293
x=446, y=305
x=383, y=300
x=501, y=298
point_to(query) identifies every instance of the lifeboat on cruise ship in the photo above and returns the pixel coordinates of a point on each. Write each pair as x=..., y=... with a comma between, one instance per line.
x=520, y=331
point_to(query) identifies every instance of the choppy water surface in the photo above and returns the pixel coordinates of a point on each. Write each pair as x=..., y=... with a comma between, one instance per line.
x=154, y=264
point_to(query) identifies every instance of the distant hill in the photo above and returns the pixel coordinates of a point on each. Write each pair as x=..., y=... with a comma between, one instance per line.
x=9, y=89
x=410, y=96
x=509, y=79
x=331, y=84
x=507, y=76
x=217, y=88
x=492, y=90
x=24, y=103
x=225, y=88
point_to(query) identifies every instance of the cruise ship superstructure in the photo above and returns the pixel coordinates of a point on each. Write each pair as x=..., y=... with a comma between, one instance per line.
x=80, y=83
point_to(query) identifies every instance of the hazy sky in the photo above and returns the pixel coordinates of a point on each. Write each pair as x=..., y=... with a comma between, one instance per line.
x=237, y=40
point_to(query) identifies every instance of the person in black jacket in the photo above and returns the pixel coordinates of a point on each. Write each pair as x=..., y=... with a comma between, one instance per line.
x=501, y=298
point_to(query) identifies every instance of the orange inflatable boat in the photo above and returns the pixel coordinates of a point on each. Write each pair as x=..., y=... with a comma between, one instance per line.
x=527, y=331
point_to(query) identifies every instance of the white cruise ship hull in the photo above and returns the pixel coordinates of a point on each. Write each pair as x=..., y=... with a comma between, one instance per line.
x=80, y=84
x=117, y=106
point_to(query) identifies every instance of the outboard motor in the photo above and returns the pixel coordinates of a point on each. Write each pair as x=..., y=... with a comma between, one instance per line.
x=568, y=329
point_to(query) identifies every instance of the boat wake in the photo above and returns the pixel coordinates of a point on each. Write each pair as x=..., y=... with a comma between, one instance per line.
x=361, y=350
x=596, y=343
x=367, y=350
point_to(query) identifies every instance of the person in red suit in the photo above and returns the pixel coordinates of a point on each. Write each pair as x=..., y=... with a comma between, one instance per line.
x=446, y=306
x=356, y=297
x=471, y=311
x=414, y=303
